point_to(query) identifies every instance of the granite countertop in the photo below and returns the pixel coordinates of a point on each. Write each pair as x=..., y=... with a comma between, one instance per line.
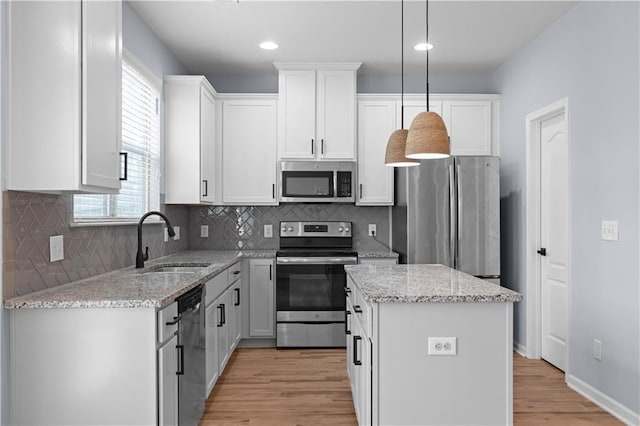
x=370, y=248
x=424, y=283
x=136, y=288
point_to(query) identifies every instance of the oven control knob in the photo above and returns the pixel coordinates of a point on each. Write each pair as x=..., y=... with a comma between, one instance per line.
x=290, y=229
x=346, y=229
x=340, y=229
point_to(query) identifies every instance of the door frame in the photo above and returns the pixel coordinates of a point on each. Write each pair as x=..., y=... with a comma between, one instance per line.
x=532, y=224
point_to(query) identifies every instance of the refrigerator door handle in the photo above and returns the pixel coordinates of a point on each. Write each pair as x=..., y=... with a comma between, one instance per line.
x=459, y=212
x=452, y=218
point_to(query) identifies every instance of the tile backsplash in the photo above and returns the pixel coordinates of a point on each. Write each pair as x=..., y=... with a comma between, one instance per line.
x=29, y=219
x=243, y=227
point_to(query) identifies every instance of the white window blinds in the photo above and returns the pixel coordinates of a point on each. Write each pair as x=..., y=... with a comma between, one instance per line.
x=141, y=141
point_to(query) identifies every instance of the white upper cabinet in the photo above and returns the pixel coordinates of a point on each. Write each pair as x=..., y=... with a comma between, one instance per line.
x=64, y=129
x=190, y=140
x=317, y=111
x=249, y=132
x=376, y=122
x=470, y=126
x=471, y=120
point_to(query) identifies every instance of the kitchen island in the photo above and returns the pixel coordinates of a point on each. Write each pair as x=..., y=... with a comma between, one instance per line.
x=429, y=345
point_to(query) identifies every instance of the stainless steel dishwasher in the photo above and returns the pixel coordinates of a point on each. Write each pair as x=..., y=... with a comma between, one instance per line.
x=191, y=344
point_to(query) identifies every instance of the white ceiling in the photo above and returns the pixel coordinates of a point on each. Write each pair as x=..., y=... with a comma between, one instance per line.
x=221, y=37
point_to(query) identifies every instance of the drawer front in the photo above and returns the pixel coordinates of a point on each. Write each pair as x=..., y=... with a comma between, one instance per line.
x=167, y=315
x=234, y=272
x=216, y=286
x=361, y=310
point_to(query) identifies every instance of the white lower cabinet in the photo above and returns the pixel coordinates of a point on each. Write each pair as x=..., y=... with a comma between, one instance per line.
x=222, y=306
x=359, y=356
x=261, y=298
x=168, y=383
x=211, y=346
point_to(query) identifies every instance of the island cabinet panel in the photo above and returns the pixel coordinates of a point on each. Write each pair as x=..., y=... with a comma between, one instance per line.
x=84, y=366
x=394, y=379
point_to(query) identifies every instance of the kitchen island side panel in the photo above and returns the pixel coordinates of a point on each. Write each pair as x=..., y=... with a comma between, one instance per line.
x=473, y=387
x=83, y=366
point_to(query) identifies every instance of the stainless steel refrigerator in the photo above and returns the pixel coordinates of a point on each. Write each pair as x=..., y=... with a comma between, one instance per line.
x=447, y=211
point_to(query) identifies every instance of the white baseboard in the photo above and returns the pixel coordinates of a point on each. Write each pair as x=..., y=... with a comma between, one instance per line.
x=520, y=349
x=606, y=402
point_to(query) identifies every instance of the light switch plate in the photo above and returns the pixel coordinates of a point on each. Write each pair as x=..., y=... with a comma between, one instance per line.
x=56, y=248
x=268, y=231
x=610, y=230
x=176, y=229
x=204, y=231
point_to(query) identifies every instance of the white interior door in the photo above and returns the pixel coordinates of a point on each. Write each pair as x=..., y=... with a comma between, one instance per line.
x=554, y=238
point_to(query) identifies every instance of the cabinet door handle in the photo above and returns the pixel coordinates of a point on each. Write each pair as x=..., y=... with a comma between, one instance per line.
x=125, y=167
x=175, y=320
x=346, y=323
x=237, y=291
x=180, y=349
x=236, y=272
x=357, y=309
x=270, y=272
x=356, y=358
x=347, y=291
x=221, y=322
x=542, y=251
x=311, y=146
x=361, y=191
x=206, y=187
x=321, y=146
x=224, y=314
x=273, y=191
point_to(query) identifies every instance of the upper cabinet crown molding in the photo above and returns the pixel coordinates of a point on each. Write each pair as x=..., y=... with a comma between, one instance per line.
x=338, y=66
x=317, y=111
x=64, y=130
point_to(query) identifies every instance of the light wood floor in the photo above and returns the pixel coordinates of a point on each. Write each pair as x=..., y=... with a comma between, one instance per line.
x=310, y=387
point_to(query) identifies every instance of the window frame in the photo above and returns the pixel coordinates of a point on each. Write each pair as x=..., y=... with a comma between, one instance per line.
x=115, y=221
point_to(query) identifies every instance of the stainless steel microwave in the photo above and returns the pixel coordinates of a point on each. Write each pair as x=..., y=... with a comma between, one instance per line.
x=317, y=181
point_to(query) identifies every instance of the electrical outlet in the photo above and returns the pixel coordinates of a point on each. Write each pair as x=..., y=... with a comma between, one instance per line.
x=597, y=349
x=176, y=229
x=56, y=248
x=610, y=230
x=372, y=230
x=268, y=231
x=204, y=231
x=443, y=345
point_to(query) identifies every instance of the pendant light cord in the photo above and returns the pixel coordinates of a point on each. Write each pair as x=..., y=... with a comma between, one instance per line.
x=427, y=41
x=402, y=64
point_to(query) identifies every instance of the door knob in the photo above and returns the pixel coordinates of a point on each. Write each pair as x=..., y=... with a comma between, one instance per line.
x=542, y=251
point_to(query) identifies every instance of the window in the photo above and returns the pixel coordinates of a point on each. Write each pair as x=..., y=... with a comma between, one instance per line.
x=141, y=141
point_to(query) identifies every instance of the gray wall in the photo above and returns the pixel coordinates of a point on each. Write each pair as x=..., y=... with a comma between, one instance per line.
x=457, y=83
x=591, y=56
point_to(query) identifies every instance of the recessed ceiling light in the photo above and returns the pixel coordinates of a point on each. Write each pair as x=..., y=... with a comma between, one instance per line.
x=268, y=45
x=423, y=46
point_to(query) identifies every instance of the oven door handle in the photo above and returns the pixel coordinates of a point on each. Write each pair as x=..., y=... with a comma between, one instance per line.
x=317, y=260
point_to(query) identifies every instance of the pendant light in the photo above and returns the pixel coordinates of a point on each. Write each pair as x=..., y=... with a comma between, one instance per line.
x=398, y=140
x=427, y=137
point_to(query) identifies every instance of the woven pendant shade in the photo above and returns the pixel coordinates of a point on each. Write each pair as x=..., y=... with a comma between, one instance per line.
x=427, y=137
x=395, y=150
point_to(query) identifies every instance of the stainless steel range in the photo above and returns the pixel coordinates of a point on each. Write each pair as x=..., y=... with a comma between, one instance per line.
x=310, y=282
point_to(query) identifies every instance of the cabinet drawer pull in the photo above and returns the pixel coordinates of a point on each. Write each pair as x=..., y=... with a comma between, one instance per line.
x=236, y=272
x=175, y=320
x=346, y=323
x=125, y=167
x=347, y=291
x=357, y=309
x=237, y=291
x=356, y=357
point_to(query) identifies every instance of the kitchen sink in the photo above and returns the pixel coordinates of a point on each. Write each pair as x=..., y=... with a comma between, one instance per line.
x=176, y=269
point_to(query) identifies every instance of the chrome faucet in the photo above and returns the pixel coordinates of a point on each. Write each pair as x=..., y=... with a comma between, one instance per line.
x=141, y=257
